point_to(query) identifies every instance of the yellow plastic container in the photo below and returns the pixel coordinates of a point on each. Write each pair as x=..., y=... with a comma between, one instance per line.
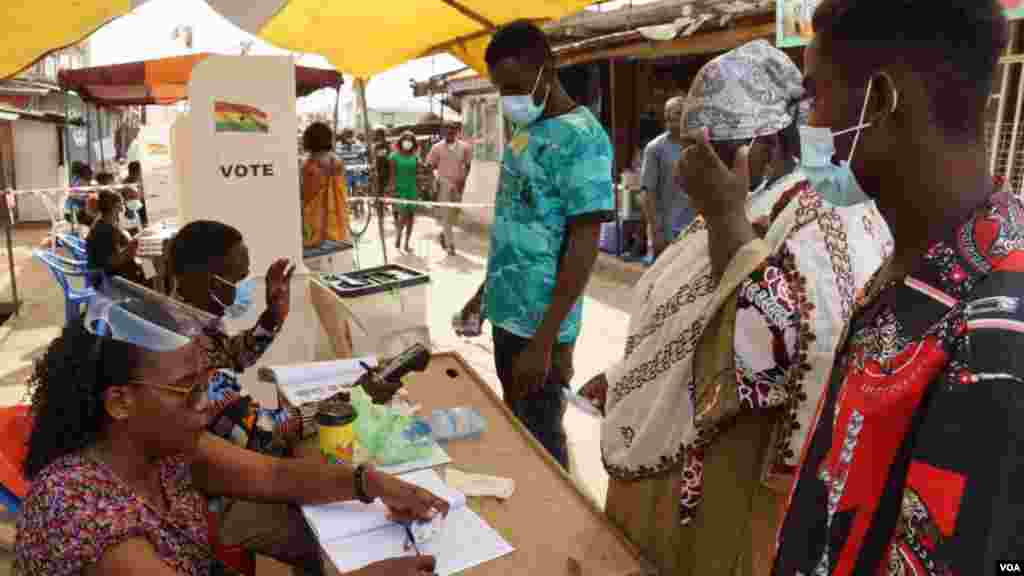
x=336, y=432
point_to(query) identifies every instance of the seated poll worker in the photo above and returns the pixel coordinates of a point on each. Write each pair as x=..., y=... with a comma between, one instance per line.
x=74, y=205
x=209, y=263
x=108, y=248
x=121, y=461
x=706, y=411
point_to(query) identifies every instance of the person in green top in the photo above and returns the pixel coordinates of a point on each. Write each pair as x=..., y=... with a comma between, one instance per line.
x=404, y=163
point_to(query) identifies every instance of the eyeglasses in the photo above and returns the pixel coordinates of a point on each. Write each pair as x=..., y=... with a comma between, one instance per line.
x=193, y=387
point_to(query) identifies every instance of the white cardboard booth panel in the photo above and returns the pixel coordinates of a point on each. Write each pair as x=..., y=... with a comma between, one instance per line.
x=244, y=167
x=238, y=150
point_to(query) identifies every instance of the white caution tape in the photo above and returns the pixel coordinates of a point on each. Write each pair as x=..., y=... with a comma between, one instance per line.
x=372, y=200
x=74, y=189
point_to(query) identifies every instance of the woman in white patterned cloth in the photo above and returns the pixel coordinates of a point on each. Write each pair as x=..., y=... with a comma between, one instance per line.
x=703, y=416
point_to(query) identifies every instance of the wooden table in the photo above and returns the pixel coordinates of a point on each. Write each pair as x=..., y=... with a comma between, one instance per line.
x=550, y=519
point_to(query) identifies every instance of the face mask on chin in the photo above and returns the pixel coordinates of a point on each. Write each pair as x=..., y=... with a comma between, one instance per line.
x=836, y=184
x=520, y=109
x=243, y=297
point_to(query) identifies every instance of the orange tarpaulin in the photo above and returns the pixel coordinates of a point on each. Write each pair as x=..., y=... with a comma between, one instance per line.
x=164, y=81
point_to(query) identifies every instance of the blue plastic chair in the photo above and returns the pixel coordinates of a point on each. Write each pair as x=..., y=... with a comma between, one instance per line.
x=65, y=270
x=73, y=244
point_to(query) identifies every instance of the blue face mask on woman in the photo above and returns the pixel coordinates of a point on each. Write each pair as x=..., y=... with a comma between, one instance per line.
x=243, y=297
x=835, y=183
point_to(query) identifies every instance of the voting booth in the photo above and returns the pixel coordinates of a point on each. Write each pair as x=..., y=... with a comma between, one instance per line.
x=236, y=151
x=153, y=152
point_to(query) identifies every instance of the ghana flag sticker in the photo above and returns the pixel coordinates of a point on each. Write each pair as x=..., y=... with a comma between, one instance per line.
x=239, y=118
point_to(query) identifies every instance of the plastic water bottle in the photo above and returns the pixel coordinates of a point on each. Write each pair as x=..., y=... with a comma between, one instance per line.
x=458, y=423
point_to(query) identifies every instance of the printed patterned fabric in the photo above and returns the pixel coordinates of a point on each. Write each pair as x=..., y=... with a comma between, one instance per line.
x=914, y=465
x=324, y=203
x=553, y=171
x=77, y=509
x=789, y=318
x=744, y=93
x=237, y=417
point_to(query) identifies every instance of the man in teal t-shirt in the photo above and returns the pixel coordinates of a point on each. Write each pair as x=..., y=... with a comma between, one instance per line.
x=555, y=191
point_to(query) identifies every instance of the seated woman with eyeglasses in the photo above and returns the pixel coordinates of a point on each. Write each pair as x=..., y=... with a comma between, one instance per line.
x=121, y=462
x=209, y=262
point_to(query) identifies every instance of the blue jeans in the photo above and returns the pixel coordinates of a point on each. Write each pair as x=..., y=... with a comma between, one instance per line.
x=540, y=412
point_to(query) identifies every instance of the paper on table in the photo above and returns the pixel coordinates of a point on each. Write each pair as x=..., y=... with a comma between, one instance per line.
x=317, y=371
x=465, y=541
x=480, y=485
x=312, y=382
x=347, y=519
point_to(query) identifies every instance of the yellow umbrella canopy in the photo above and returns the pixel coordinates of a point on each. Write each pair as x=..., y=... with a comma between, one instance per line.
x=360, y=37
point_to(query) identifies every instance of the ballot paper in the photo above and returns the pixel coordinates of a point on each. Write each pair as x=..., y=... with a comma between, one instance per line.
x=315, y=381
x=303, y=386
x=355, y=534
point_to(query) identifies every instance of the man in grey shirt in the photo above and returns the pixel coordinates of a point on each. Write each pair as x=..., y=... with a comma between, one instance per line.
x=665, y=204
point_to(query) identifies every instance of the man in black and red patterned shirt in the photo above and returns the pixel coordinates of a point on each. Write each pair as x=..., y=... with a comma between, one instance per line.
x=913, y=463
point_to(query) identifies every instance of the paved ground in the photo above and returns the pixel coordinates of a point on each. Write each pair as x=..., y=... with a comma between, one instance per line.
x=454, y=279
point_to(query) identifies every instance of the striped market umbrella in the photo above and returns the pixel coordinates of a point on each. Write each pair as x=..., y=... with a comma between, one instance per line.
x=164, y=81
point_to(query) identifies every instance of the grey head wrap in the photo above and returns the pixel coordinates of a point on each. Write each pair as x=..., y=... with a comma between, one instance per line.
x=747, y=92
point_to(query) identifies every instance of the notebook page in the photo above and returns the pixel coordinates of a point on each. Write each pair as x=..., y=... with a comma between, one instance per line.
x=347, y=519
x=465, y=541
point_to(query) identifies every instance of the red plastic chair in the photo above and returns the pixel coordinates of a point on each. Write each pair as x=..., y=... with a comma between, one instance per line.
x=234, y=556
x=15, y=428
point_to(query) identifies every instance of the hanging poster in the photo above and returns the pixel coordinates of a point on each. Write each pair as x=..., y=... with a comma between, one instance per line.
x=153, y=150
x=103, y=151
x=793, y=19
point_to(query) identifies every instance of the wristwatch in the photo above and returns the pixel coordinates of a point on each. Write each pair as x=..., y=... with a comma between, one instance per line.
x=362, y=471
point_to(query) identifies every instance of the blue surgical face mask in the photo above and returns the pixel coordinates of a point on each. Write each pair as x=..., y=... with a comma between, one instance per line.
x=835, y=183
x=521, y=109
x=133, y=205
x=243, y=297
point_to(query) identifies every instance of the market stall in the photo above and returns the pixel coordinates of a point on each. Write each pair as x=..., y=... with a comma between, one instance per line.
x=164, y=81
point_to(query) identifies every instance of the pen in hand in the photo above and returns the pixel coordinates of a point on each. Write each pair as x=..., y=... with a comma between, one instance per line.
x=412, y=538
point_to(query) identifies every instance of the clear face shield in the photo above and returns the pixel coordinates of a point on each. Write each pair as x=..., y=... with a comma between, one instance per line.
x=136, y=315
x=169, y=331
